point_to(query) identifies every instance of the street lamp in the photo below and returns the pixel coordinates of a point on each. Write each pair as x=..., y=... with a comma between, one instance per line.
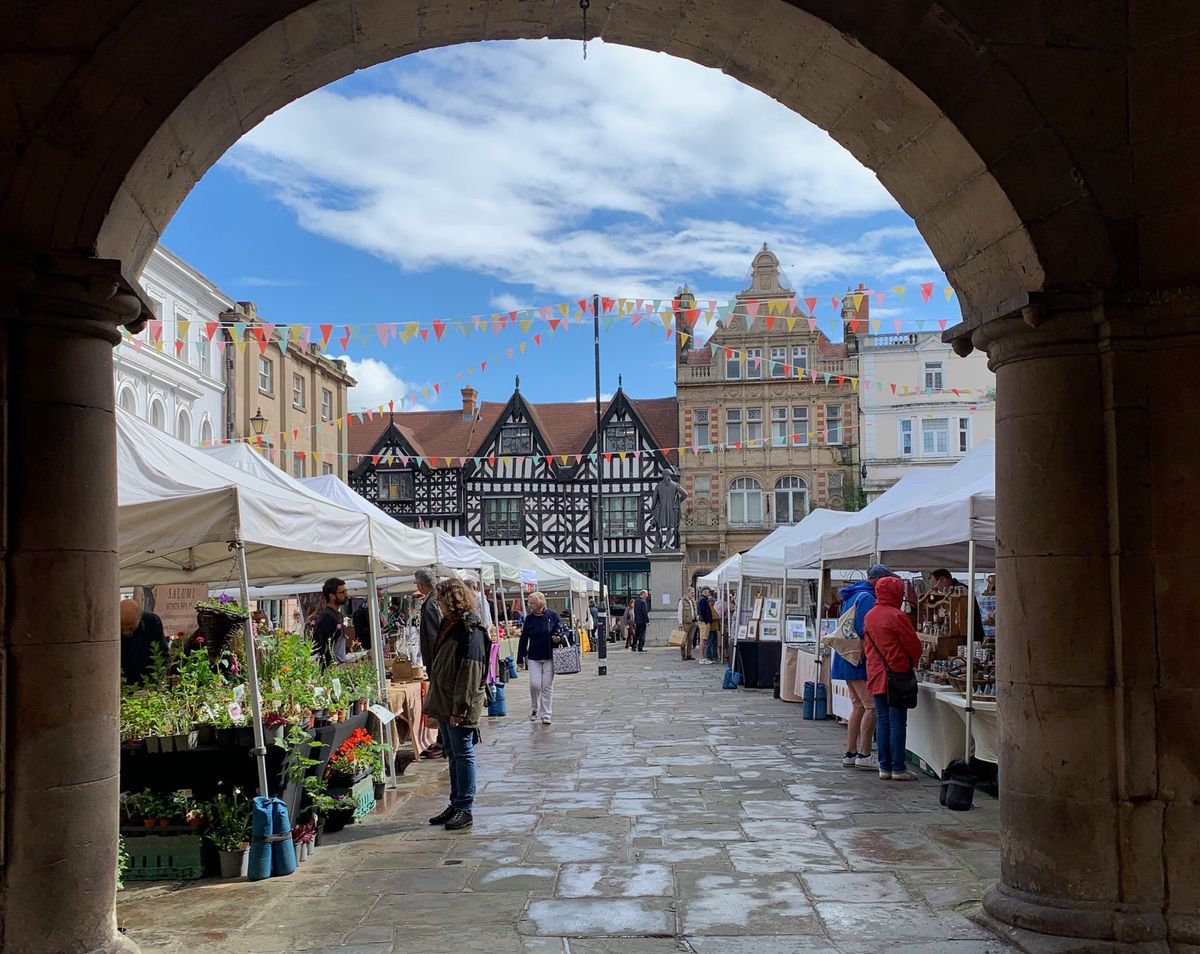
x=258, y=422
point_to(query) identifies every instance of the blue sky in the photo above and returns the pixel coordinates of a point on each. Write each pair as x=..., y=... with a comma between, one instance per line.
x=497, y=176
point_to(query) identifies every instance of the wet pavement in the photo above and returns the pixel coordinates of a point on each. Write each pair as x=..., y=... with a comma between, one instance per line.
x=658, y=814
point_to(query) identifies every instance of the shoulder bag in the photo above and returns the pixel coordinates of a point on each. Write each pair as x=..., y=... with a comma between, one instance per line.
x=901, y=686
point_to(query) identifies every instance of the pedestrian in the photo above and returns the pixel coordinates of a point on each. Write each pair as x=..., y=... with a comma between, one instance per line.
x=892, y=647
x=629, y=620
x=942, y=581
x=456, y=679
x=482, y=609
x=685, y=616
x=540, y=634
x=859, y=598
x=708, y=636
x=431, y=625
x=141, y=635
x=641, y=619
x=329, y=632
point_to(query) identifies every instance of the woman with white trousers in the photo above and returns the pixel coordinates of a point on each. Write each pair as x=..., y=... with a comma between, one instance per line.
x=539, y=636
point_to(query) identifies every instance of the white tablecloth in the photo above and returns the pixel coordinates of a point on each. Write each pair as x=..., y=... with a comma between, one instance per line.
x=935, y=732
x=985, y=731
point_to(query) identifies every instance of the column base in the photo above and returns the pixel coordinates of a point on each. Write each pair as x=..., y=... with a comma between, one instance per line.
x=119, y=945
x=1120, y=924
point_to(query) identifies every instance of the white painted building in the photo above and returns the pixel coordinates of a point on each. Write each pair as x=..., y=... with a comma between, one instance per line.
x=932, y=408
x=175, y=376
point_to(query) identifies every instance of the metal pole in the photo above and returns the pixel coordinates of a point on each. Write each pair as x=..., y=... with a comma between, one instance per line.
x=380, y=673
x=970, y=640
x=256, y=718
x=602, y=647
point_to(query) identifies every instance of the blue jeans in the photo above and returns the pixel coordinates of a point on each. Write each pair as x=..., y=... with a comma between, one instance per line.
x=459, y=744
x=891, y=729
x=710, y=644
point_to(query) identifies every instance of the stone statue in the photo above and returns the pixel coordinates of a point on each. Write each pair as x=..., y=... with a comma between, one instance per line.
x=665, y=511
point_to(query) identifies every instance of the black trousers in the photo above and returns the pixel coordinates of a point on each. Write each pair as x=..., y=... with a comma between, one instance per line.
x=639, y=637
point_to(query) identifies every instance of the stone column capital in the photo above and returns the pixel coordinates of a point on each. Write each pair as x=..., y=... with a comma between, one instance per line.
x=1072, y=323
x=74, y=291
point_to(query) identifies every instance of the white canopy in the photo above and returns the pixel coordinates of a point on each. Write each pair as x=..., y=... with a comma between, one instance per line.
x=547, y=576
x=179, y=509
x=727, y=571
x=854, y=541
x=586, y=582
x=765, y=558
x=961, y=508
x=397, y=548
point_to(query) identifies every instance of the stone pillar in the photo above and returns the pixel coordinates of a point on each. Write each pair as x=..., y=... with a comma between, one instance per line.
x=1098, y=533
x=61, y=658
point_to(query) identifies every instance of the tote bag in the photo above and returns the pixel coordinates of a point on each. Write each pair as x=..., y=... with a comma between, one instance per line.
x=566, y=659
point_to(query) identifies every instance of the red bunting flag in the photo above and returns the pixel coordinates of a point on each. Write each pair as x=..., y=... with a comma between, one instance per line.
x=438, y=328
x=345, y=339
x=606, y=305
x=382, y=331
x=326, y=331
x=926, y=291
x=210, y=329
x=554, y=323
x=492, y=460
x=424, y=334
x=893, y=389
x=537, y=340
x=510, y=353
x=482, y=365
x=770, y=322
x=374, y=458
x=942, y=323
x=437, y=389
x=692, y=315
x=752, y=309
x=811, y=304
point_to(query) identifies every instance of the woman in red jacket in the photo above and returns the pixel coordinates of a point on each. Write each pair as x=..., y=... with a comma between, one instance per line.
x=891, y=643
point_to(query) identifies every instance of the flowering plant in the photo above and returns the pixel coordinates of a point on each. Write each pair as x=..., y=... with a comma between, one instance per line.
x=352, y=755
x=230, y=822
x=223, y=604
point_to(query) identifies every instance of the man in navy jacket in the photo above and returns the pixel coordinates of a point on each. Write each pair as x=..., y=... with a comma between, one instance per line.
x=641, y=618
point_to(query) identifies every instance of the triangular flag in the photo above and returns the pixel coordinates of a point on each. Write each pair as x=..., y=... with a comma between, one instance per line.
x=834, y=303
x=326, y=331
x=926, y=291
x=537, y=340
x=438, y=328
x=898, y=290
x=424, y=334
x=210, y=329
x=811, y=304
x=948, y=292
x=942, y=323
x=526, y=324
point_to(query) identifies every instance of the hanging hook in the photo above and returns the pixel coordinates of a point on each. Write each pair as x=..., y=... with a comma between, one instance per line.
x=583, y=5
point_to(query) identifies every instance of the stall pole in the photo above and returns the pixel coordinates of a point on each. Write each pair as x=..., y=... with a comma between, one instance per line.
x=819, y=610
x=389, y=763
x=256, y=718
x=602, y=649
x=970, y=640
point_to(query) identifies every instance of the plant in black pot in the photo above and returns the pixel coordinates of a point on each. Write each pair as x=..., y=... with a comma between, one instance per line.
x=229, y=831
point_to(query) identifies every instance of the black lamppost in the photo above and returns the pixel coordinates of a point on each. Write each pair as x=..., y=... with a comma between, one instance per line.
x=258, y=422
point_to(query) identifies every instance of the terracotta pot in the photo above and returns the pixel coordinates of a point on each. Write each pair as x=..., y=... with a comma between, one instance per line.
x=149, y=823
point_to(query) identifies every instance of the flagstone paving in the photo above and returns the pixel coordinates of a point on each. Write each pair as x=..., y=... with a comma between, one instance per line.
x=659, y=814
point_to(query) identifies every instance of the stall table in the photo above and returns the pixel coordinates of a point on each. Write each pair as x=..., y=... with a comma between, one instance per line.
x=985, y=732
x=935, y=732
x=758, y=662
x=404, y=699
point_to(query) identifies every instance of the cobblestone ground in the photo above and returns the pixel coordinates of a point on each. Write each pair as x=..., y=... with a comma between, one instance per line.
x=659, y=814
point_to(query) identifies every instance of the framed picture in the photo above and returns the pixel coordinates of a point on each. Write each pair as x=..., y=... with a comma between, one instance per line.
x=768, y=632
x=796, y=630
x=828, y=627
x=741, y=631
x=771, y=607
x=756, y=613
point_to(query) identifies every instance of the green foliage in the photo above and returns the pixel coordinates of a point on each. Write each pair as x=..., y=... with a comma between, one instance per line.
x=122, y=862
x=229, y=822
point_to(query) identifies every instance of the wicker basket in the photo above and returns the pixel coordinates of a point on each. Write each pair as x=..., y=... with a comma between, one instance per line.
x=217, y=627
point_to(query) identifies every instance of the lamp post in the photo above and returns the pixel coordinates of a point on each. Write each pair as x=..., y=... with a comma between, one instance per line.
x=602, y=644
x=258, y=422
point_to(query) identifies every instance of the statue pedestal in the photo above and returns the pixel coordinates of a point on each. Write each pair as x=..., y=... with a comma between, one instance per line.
x=666, y=576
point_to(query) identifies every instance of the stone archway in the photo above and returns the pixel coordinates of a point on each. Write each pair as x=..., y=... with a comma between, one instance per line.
x=1038, y=156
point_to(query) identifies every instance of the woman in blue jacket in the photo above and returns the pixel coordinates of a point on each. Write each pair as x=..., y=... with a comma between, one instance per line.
x=860, y=728
x=539, y=635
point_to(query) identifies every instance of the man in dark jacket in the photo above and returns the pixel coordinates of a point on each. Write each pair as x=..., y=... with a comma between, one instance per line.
x=942, y=580
x=708, y=638
x=140, y=634
x=641, y=619
x=431, y=625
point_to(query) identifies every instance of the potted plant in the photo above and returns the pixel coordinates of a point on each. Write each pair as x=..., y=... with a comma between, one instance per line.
x=376, y=755
x=274, y=723
x=228, y=830
x=216, y=621
x=141, y=808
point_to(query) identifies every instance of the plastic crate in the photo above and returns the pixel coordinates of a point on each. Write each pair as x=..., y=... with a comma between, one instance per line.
x=155, y=856
x=362, y=793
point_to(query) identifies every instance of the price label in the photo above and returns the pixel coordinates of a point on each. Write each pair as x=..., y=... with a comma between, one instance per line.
x=337, y=687
x=239, y=693
x=235, y=712
x=382, y=713
x=275, y=685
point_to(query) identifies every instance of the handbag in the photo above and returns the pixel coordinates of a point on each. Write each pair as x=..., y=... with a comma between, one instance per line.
x=901, y=686
x=567, y=661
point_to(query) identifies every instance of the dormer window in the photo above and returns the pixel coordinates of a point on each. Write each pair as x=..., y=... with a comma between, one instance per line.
x=620, y=437
x=395, y=484
x=516, y=439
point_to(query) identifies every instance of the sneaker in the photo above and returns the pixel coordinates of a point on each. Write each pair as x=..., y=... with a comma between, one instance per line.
x=903, y=777
x=444, y=816
x=533, y=716
x=866, y=762
x=848, y=759
x=885, y=776
x=458, y=820
x=545, y=720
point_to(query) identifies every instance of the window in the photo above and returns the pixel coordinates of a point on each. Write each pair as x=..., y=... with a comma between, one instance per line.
x=623, y=516
x=326, y=404
x=620, y=437
x=733, y=425
x=935, y=437
x=266, y=376
x=298, y=391
x=754, y=368
x=128, y=400
x=297, y=466
x=395, y=484
x=934, y=380
x=800, y=426
x=779, y=427
x=778, y=361
x=745, y=501
x=702, y=490
x=964, y=434
x=327, y=469
x=516, y=439
x=791, y=499
x=799, y=358
x=698, y=555
x=183, y=427
x=700, y=434
x=754, y=425
x=158, y=415
x=833, y=423
x=906, y=438
x=203, y=353
x=502, y=518
x=733, y=366
x=834, y=484
x=206, y=432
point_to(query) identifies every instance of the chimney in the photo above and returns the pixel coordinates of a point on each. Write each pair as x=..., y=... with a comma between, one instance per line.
x=469, y=394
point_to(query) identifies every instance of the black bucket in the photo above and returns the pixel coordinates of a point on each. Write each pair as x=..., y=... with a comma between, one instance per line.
x=958, y=786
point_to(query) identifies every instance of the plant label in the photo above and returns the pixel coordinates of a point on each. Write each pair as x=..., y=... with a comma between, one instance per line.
x=382, y=713
x=275, y=685
x=337, y=687
x=235, y=712
x=239, y=693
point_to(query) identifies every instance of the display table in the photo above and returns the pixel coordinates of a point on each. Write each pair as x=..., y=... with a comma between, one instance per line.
x=985, y=731
x=810, y=669
x=404, y=699
x=758, y=662
x=935, y=732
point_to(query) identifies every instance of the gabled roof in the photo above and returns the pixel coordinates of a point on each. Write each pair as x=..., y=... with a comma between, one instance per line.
x=565, y=427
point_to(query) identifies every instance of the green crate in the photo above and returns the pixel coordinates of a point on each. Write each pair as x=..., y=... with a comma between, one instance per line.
x=362, y=793
x=159, y=857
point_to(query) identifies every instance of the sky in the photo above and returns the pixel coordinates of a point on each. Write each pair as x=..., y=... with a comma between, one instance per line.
x=500, y=176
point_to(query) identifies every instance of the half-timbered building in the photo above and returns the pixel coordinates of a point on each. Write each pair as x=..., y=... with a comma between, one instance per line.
x=519, y=472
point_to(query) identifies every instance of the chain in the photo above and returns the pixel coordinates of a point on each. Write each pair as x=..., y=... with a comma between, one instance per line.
x=583, y=5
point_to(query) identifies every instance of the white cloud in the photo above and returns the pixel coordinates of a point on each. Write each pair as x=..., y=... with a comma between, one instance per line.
x=605, y=397
x=259, y=281
x=377, y=384
x=519, y=161
x=506, y=302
